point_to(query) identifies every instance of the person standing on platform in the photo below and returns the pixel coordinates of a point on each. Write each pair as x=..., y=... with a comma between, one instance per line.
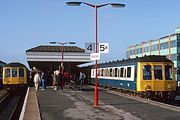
x=80, y=80
x=36, y=80
x=43, y=81
x=56, y=80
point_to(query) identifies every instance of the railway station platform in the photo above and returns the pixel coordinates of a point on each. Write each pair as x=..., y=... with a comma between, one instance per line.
x=78, y=105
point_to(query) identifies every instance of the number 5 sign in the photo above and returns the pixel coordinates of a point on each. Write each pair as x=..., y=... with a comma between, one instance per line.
x=103, y=47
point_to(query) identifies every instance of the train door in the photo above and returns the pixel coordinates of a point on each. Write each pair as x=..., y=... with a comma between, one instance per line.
x=144, y=76
x=158, y=79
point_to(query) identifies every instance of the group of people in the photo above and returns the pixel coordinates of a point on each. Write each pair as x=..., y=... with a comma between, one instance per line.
x=40, y=79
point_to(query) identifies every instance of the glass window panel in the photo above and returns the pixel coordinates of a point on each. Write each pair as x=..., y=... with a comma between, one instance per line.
x=173, y=57
x=155, y=47
x=128, y=72
x=14, y=72
x=122, y=69
x=106, y=72
x=168, y=72
x=110, y=72
x=147, y=75
x=102, y=71
x=116, y=70
x=173, y=43
x=7, y=72
x=124, y=73
x=158, y=72
x=98, y=72
x=164, y=45
x=21, y=72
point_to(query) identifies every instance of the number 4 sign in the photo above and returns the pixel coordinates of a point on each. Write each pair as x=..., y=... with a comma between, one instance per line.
x=89, y=47
x=103, y=47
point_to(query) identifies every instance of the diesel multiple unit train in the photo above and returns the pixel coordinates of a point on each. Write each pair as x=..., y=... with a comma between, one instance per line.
x=148, y=76
x=15, y=76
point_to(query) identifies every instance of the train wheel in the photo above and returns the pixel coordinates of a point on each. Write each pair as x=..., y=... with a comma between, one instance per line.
x=165, y=96
x=172, y=95
x=148, y=94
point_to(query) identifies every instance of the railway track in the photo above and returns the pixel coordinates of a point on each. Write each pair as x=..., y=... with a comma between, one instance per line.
x=10, y=106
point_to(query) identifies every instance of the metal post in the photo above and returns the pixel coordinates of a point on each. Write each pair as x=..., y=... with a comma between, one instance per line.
x=62, y=66
x=96, y=66
x=116, y=5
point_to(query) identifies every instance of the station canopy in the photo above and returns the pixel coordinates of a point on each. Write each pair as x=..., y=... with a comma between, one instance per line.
x=45, y=56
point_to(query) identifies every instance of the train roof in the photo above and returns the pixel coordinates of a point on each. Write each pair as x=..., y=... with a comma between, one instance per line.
x=150, y=58
x=15, y=64
x=2, y=63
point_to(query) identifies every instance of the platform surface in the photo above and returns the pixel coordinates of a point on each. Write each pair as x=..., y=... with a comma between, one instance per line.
x=78, y=105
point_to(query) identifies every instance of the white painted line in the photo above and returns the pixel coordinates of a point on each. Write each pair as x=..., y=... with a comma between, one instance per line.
x=24, y=105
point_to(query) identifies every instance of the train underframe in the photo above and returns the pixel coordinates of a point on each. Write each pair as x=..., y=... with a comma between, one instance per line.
x=159, y=95
x=153, y=95
x=14, y=87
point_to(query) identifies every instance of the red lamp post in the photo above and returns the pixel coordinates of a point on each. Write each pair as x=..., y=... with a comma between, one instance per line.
x=61, y=67
x=117, y=5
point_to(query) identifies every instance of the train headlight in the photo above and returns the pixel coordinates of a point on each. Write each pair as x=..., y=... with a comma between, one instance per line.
x=169, y=86
x=148, y=88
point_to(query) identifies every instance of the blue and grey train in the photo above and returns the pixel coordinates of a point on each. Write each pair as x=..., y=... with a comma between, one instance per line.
x=148, y=76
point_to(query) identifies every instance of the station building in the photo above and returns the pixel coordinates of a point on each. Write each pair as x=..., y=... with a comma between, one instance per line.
x=46, y=57
x=168, y=46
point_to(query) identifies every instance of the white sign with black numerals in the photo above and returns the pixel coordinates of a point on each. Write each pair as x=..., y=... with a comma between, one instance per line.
x=103, y=47
x=89, y=47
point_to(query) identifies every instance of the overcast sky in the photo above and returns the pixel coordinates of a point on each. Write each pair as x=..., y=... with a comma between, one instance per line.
x=25, y=24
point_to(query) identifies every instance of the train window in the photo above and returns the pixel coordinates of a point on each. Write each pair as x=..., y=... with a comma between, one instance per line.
x=14, y=72
x=7, y=72
x=121, y=74
x=111, y=72
x=147, y=75
x=92, y=72
x=158, y=72
x=128, y=72
x=98, y=72
x=106, y=72
x=21, y=72
x=116, y=72
x=124, y=73
x=168, y=72
x=102, y=71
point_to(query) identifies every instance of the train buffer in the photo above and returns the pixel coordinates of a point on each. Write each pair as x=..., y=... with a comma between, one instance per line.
x=78, y=105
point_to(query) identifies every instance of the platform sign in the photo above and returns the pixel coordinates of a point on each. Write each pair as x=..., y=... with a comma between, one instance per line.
x=95, y=56
x=103, y=47
x=89, y=47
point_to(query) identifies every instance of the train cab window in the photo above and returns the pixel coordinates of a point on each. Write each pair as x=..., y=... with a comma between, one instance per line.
x=21, y=72
x=14, y=72
x=158, y=72
x=147, y=74
x=168, y=72
x=7, y=72
x=128, y=72
x=121, y=73
x=116, y=72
